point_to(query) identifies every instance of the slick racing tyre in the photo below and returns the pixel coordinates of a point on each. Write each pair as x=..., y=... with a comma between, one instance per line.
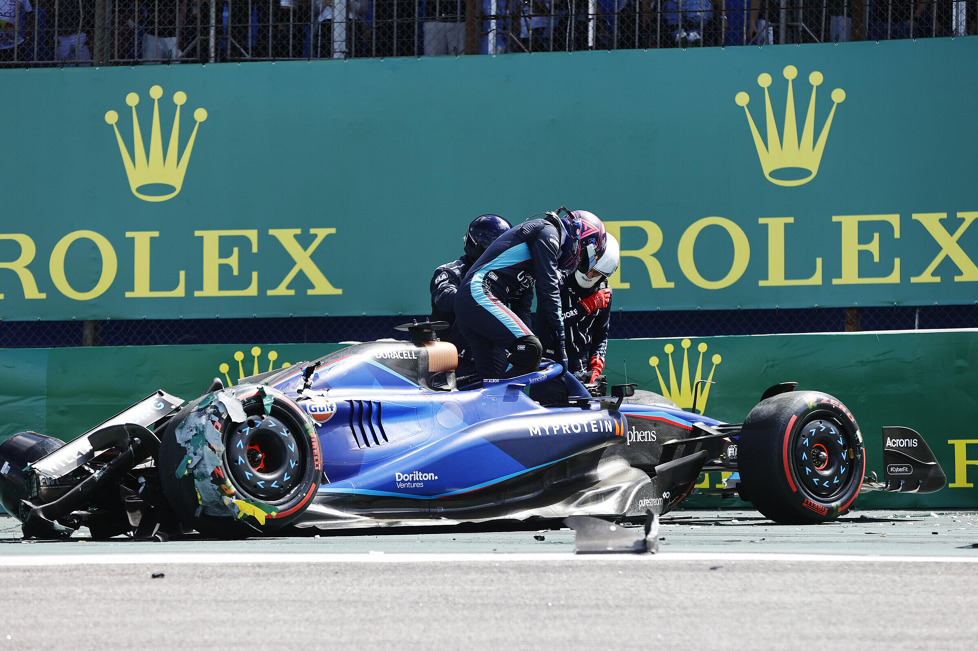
x=240, y=461
x=16, y=453
x=801, y=458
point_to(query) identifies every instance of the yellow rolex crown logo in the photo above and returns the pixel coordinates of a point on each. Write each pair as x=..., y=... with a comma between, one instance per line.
x=681, y=389
x=786, y=161
x=153, y=176
x=239, y=356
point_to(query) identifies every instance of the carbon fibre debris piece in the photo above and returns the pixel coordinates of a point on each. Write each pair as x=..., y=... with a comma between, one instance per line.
x=596, y=536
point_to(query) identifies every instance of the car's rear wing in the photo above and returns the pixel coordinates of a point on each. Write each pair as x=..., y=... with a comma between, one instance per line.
x=80, y=450
x=48, y=489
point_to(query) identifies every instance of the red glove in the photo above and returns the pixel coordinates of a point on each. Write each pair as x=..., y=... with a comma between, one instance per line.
x=597, y=300
x=596, y=365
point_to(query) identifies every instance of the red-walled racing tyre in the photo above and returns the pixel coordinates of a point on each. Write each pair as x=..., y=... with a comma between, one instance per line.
x=801, y=458
x=240, y=461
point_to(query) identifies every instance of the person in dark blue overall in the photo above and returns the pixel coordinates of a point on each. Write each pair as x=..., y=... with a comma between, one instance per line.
x=493, y=304
x=482, y=232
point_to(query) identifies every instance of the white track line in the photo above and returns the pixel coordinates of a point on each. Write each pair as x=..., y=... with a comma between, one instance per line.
x=164, y=558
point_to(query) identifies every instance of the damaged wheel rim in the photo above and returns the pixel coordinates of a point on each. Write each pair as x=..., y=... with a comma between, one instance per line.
x=263, y=457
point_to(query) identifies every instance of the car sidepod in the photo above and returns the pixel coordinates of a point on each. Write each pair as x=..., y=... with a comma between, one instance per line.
x=484, y=454
x=672, y=446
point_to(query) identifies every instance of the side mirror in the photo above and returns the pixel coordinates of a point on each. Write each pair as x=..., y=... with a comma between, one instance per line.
x=623, y=390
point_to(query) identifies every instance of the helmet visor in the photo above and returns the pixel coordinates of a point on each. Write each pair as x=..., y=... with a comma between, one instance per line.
x=589, y=256
x=607, y=263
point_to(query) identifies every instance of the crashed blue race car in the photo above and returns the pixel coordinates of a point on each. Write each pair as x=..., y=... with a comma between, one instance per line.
x=379, y=435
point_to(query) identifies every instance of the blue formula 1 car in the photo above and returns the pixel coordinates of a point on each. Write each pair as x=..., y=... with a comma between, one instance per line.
x=378, y=435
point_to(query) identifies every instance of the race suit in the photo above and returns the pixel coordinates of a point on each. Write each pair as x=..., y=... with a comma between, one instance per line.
x=493, y=304
x=444, y=286
x=586, y=335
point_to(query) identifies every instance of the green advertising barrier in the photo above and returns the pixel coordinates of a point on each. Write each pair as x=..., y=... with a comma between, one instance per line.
x=920, y=380
x=63, y=392
x=796, y=176
x=924, y=381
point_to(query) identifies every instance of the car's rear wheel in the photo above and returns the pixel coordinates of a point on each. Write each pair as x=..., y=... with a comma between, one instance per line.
x=801, y=458
x=16, y=453
x=240, y=461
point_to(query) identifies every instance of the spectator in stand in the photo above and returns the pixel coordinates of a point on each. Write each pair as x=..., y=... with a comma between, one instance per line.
x=576, y=33
x=762, y=30
x=840, y=21
x=688, y=22
x=162, y=23
x=497, y=26
x=15, y=47
x=740, y=21
x=444, y=28
x=483, y=231
x=892, y=19
x=544, y=26
x=616, y=25
x=74, y=18
x=357, y=28
x=536, y=21
x=321, y=36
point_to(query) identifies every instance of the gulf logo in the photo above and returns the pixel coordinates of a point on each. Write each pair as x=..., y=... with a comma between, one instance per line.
x=321, y=409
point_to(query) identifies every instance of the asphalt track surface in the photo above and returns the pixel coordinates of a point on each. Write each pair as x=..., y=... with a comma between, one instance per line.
x=719, y=580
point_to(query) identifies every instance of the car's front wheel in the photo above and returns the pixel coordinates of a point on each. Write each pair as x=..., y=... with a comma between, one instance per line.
x=801, y=458
x=240, y=461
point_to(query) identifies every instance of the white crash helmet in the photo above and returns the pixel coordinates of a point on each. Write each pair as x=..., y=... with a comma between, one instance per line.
x=606, y=265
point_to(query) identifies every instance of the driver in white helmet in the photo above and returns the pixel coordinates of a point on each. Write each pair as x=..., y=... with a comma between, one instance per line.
x=586, y=306
x=586, y=302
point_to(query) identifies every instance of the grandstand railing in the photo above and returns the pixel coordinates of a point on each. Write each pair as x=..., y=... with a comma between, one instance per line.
x=113, y=32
